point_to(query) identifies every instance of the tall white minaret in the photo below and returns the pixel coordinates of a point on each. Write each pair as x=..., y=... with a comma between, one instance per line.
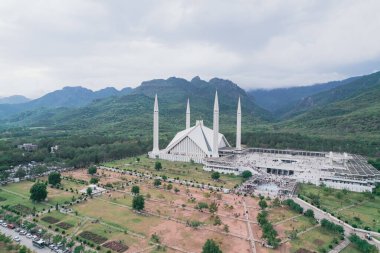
x=215, y=144
x=238, y=127
x=155, y=126
x=188, y=114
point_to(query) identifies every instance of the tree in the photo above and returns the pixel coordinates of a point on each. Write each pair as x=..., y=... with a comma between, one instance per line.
x=263, y=204
x=169, y=187
x=135, y=190
x=38, y=192
x=94, y=180
x=276, y=202
x=20, y=173
x=92, y=170
x=158, y=165
x=215, y=175
x=246, y=174
x=157, y=182
x=309, y=213
x=89, y=191
x=23, y=249
x=211, y=247
x=138, y=202
x=4, y=175
x=176, y=190
x=54, y=178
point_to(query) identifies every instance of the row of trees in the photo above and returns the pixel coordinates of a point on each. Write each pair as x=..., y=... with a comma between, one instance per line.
x=362, y=245
x=293, y=205
x=332, y=226
x=269, y=232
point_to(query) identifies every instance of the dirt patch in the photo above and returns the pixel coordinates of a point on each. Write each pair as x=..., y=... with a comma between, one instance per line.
x=64, y=225
x=50, y=220
x=22, y=209
x=116, y=246
x=302, y=250
x=93, y=237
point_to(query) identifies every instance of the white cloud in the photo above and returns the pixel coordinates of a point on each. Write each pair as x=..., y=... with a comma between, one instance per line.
x=45, y=45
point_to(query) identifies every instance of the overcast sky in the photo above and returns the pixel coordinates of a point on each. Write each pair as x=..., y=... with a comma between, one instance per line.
x=46, y=45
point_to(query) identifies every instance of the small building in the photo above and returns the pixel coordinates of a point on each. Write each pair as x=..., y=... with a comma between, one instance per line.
x=28, y=147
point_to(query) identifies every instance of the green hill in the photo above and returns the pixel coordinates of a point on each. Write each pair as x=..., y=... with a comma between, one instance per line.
x=132, y=114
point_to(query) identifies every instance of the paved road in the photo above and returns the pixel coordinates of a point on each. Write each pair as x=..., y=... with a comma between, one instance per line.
x=24, y=241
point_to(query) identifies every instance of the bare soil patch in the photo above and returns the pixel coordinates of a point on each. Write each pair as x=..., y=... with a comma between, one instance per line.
x=64, y=225
x=116, y=246
x=22, y=209
x=93, y=237
x=50, y=220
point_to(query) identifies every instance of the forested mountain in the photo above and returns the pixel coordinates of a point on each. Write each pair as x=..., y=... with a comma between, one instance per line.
x=352, y=109
x=281, y=100
x=67, y=97
x=342, y=118
x=16, y=99
x=131, y=114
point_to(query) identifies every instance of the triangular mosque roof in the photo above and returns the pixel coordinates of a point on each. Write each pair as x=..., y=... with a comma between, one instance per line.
x=202, y=137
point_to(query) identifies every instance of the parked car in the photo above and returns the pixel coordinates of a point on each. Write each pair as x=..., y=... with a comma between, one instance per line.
x=16, y=239
x=23, y=232
x=11, y=226
x=4, y=224
x=17, y=230
x=29, y=236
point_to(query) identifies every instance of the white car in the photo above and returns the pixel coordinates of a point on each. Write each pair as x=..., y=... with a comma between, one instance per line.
x=16, y=239
x=22, y=232
x=4, y=224
x=29, y=236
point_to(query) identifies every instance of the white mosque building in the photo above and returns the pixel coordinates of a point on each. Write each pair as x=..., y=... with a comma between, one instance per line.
x=194, y=143
x=209, y=147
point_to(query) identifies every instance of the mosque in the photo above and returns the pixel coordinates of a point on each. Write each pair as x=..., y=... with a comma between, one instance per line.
x=207, y=146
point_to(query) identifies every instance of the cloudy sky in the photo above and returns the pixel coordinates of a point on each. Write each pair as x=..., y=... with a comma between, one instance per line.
x=45, y=45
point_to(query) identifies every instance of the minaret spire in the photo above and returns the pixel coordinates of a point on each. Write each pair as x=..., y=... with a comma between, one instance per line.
x=238, y=126
x=188, y=114
x=215, y=145
x=155, y=126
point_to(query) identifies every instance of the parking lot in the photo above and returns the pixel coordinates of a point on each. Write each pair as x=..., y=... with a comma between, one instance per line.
x=24, y=238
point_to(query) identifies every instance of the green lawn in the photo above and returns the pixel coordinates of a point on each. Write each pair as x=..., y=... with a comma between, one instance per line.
x=332, y=200
x=351, y=249
x=298, y=224
x=18, y=193
x=12, y=199
x=365, y=214
x=314, y=240
x=188, y=171
x=278, y=214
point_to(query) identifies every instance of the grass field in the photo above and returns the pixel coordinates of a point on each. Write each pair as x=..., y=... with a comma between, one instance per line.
x=314, y=240
x=18, y=193
x=116, y=215
x=192, y=172
x=351, y=249
x=354, y=207
x=278, y=214
x=72, y=220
